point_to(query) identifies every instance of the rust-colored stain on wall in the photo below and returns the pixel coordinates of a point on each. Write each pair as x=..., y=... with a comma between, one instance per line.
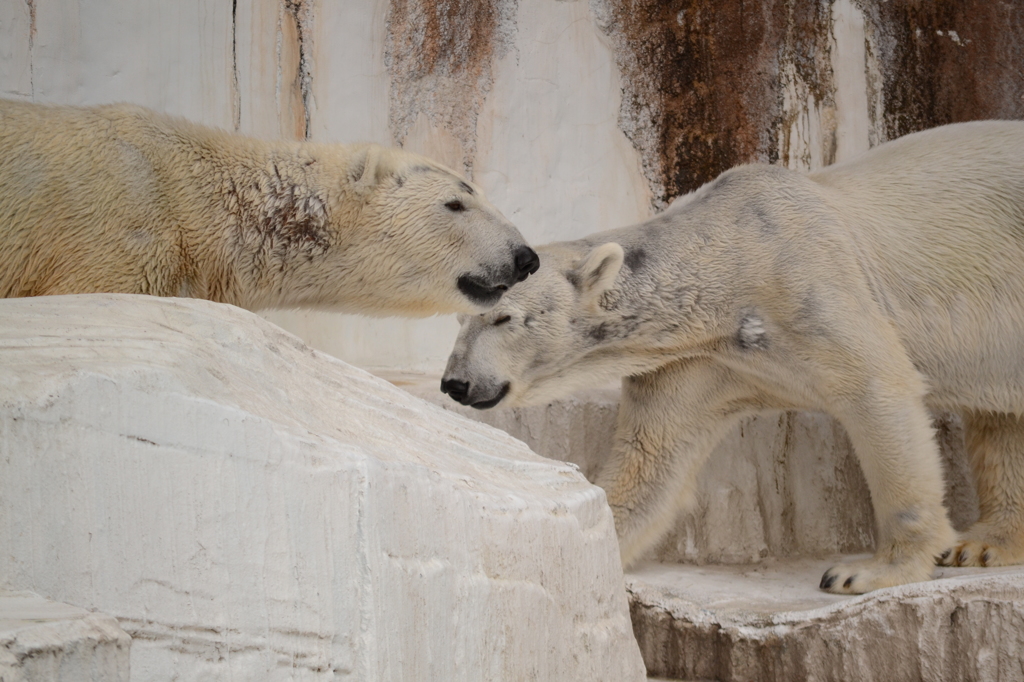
x=945, y=62
x=439, y=55
x=703, y=80
x=453, y=37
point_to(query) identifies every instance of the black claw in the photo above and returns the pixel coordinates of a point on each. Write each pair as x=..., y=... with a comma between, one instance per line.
x=986, y=557
x=849, y=581
x=962, y=559
x=945, y=555
x=827, y=581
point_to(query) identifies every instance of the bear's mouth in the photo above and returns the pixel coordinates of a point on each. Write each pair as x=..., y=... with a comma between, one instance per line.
x=460, y=392
x=491, y=402
x=479, y=291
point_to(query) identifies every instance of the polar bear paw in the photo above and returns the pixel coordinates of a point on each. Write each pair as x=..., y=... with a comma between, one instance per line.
x=858, y=577
x=984, y=545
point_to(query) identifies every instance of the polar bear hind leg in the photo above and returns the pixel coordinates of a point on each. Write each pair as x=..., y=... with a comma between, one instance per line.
x=995, y=445
x=895, y=445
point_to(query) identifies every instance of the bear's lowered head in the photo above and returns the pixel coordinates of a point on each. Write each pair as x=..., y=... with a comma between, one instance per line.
x=543, y=339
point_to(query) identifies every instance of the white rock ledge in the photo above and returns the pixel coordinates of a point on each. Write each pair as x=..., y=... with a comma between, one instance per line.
x=45, y=641
x=248, y=508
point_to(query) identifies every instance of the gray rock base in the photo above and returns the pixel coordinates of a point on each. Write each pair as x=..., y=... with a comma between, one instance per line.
x=767, y=623
x=45, y=641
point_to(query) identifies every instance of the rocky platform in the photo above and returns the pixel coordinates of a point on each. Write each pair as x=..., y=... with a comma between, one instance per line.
x=767, y=623
x=46, y=641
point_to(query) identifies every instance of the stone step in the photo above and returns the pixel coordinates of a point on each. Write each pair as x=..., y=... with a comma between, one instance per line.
x=46, y=641
x=768, y=623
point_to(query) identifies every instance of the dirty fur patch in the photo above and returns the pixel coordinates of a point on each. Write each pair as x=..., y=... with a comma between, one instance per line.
x=752, y=334
x=281, y=216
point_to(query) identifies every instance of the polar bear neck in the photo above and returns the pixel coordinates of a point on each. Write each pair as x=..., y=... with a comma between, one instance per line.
x=655, y=307
x=267, y=210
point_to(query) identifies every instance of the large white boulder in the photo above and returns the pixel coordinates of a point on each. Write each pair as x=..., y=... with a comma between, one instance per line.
x=248, y=508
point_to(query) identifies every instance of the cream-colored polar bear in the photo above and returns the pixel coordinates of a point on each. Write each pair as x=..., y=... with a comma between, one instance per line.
x=121, y=199
x=870, y=290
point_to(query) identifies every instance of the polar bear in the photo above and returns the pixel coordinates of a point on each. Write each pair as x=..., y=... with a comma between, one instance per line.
x=122, y=199
x=870, y=290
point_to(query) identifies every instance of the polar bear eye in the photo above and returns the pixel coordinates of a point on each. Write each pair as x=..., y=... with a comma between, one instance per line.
x=501, y=320
x=455, y=205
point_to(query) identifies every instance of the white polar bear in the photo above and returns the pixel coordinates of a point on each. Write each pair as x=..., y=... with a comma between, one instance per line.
x=870, y=290
x=122, y=199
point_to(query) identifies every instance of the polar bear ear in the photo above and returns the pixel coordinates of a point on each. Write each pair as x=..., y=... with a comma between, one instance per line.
x=598, y=271
x=368, y=168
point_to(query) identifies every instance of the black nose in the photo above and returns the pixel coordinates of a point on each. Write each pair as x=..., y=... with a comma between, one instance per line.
x=527, y=262
x=458, y=390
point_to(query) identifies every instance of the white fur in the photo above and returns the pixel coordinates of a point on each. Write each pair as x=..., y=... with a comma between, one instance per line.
x=122, y=199
x=871, y=290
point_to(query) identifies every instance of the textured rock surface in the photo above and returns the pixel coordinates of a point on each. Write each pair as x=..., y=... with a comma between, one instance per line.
x=763, y=624
x=44, y=641
x=781, y=485
x=249, y=508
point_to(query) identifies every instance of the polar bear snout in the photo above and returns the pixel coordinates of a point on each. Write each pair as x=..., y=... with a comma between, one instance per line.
x=458, y=390
x=527, y=262
x=486, y=288
x=480, y=396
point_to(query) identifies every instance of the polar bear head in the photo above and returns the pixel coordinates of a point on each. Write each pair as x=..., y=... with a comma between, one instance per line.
x=544, y=339
x=387, y=232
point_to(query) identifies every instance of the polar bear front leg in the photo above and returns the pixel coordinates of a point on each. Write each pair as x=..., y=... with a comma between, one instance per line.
x=893, y=438
x=669, y=422
x=995, y=445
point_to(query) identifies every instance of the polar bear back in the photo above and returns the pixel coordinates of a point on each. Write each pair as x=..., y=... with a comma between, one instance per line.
x=938, y=218
x=104, y=198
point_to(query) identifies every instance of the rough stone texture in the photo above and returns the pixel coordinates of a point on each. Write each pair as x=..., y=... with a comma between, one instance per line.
x=709, y=84
x=762, y=624
x=248, y=508
x=700, y=96
x=946, y=62
x=44, y=641
x=781, y=485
